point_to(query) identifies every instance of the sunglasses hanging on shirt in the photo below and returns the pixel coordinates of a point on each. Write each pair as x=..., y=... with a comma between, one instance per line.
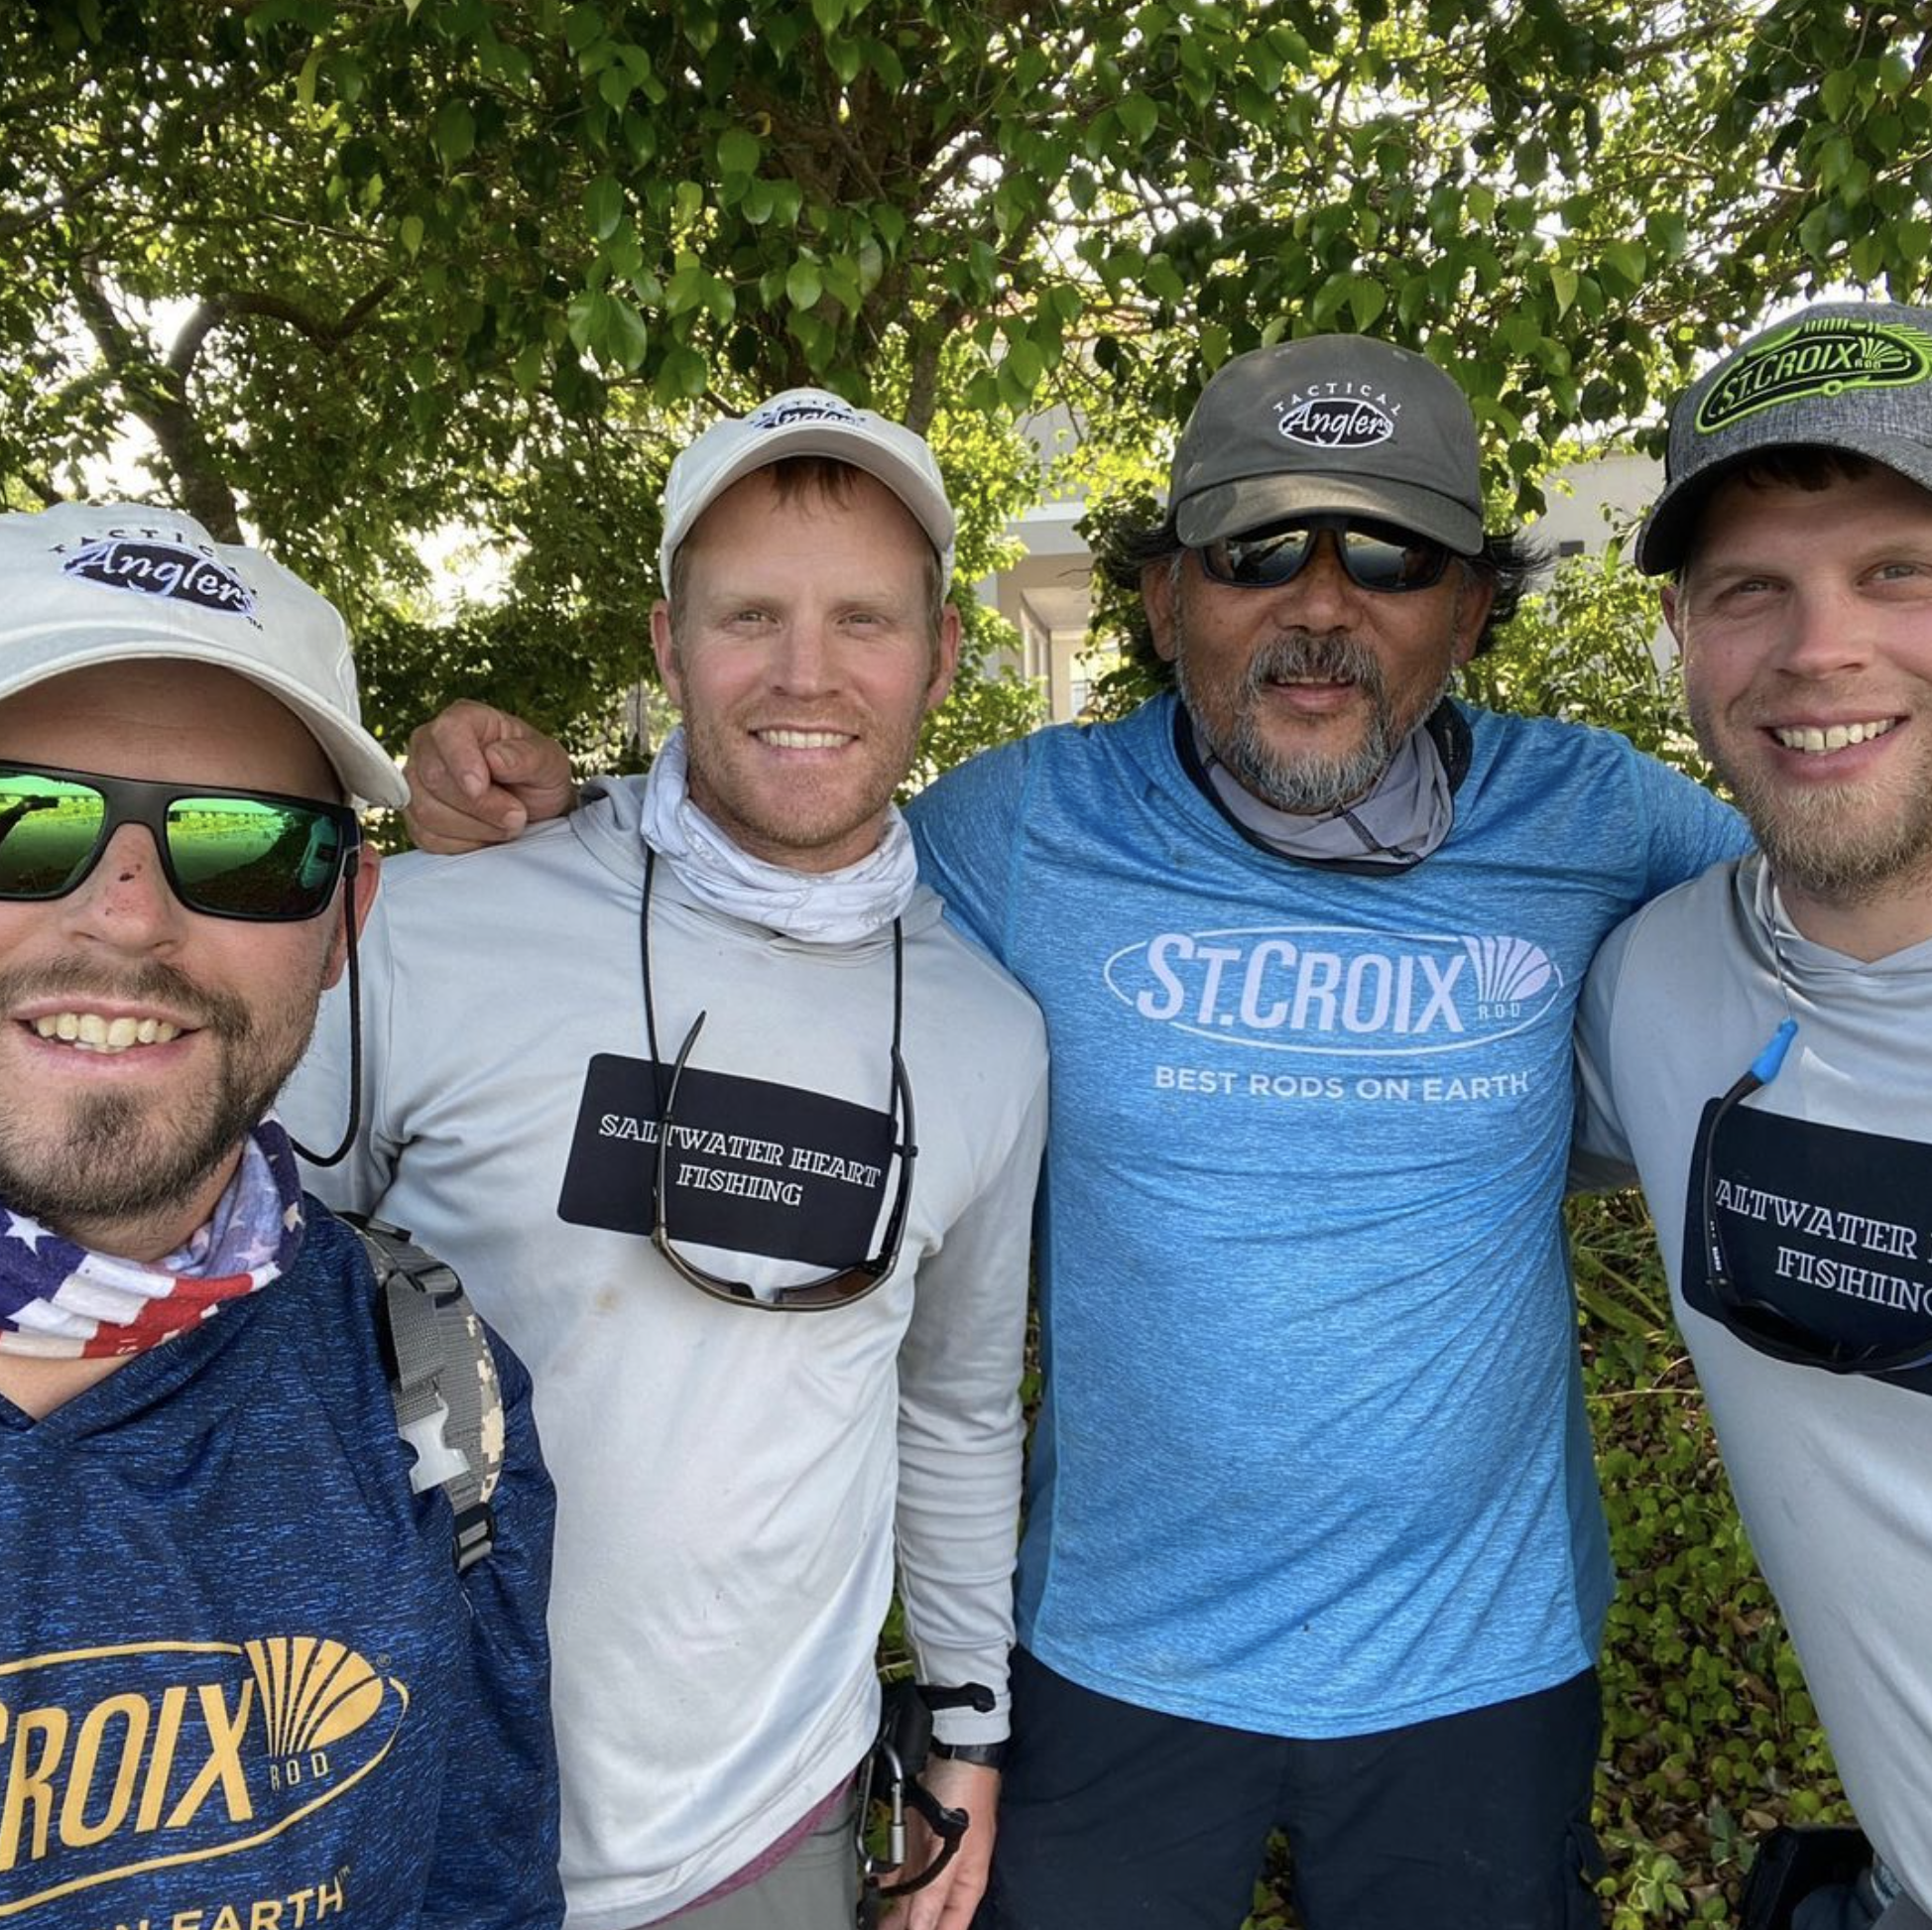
x=1808, y=1205
x=843, y=1286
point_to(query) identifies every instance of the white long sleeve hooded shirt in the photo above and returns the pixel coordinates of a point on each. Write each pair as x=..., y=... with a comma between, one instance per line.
x=733, y=1485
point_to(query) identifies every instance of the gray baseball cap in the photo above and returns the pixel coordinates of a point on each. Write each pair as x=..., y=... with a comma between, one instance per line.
x=1853, y=376
x=1329, y=424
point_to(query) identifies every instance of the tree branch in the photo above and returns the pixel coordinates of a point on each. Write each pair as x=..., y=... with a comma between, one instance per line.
x=157, y=396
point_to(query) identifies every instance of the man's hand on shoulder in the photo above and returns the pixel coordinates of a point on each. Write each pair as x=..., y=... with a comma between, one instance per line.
x=948, y=1902
x=477, y=775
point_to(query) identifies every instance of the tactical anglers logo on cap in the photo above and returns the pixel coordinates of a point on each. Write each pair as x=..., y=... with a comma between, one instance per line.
x=1338, y=415
x=802, y=409
x=1822, y=357
x=153, y=563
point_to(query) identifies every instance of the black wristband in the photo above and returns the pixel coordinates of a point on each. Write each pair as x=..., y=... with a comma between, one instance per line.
x=989, y=1755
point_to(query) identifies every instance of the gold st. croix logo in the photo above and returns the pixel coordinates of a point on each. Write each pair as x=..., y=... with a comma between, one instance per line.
x=1820, y=357
x=150, y=1756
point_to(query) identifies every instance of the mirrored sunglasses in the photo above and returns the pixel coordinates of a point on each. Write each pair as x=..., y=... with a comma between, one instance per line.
x=1379, y=556
x=227, y=854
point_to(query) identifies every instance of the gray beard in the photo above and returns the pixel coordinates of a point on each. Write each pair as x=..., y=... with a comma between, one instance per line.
x=1309, y=785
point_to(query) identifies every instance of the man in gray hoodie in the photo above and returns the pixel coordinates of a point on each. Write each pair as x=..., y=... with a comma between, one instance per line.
x=1759, y=1043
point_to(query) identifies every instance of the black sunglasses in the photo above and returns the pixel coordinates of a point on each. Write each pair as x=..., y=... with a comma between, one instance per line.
x=837, y=1289
x=254, y=855
x=1758, y=1322
x=1379, y=556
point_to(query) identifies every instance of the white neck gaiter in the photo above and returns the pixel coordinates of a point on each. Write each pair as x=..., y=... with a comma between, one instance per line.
x=829, y=908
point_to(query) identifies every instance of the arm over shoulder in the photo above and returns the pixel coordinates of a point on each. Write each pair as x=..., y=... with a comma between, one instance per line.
x=1691, y=827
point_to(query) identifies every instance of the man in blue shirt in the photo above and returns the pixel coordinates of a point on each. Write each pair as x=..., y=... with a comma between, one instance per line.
x=1313, y=1538
x=241, y=1680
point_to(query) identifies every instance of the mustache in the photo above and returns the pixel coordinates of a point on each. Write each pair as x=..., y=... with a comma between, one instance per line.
x=151, y=983
x=1332, y=655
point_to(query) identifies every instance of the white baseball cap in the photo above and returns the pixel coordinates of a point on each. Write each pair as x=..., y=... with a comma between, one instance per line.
x=85, y=583
x=806, y=422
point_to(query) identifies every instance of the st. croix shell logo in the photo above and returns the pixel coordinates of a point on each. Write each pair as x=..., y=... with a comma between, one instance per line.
x=1819, y=357
x=1329, y=989
x=141, y=1756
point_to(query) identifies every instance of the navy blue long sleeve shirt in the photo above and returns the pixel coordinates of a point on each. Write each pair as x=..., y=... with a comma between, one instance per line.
x=241, y=1684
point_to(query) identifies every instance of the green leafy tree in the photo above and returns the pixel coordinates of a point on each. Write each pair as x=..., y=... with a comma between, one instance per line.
x=1591, y=649
x=364, y=272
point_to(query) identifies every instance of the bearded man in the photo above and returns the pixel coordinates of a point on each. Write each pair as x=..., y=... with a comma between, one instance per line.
x=1756, y=1044
x=649, y=1080
x=242, y=1676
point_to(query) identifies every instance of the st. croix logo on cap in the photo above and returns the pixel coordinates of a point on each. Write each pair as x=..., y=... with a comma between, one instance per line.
x=153, y=562
x=146, y=1755
x=1824, y=356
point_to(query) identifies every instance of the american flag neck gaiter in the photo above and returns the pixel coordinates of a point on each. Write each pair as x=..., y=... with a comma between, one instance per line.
x=63, y=1302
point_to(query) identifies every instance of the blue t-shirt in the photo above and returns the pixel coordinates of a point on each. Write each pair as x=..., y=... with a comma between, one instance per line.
x=1312, y=1457
x=241, y=1683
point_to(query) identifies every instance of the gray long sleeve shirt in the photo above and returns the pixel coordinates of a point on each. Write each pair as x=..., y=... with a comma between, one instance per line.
x=1822, y=1191
x=733, y=1485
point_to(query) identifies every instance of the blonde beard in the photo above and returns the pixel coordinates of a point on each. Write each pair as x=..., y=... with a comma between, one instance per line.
x=1846, y=844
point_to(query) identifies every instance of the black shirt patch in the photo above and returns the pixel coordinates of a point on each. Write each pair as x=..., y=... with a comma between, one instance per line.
x=1826, y=1238
x=754, y=1167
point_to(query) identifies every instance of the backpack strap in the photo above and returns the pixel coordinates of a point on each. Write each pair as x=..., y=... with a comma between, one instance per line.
x=444, y=1380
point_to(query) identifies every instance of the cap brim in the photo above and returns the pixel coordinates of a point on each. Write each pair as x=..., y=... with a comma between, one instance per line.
x=368, y=772
x=1665, y=535
x=1251, y=502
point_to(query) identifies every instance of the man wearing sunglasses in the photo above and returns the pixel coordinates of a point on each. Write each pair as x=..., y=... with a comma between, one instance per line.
x=738, y=1142
x=240, y=1676
x=1313, y=1538
x=1759, y=1042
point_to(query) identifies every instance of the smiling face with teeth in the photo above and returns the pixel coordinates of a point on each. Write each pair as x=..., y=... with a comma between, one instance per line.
x=140, y=1040
x=804, y=654
x=1805, y=618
